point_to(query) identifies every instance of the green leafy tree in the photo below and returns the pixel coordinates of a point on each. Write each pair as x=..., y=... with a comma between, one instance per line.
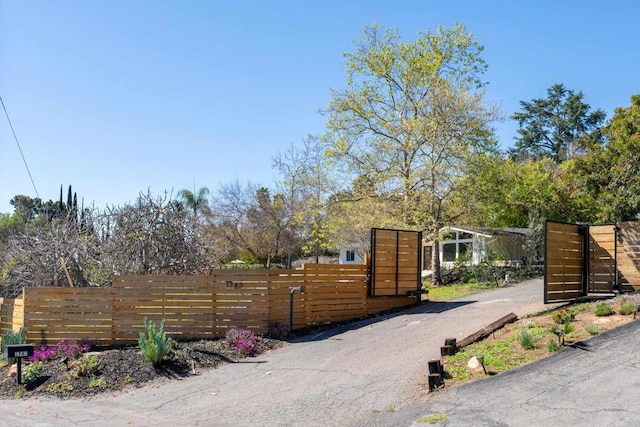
x=410, y=118
x=196, y=202
x=558, y=126
x=611, y=172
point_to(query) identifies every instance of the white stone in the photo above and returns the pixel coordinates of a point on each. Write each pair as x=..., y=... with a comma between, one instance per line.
x=474, y=363
x=13, y=371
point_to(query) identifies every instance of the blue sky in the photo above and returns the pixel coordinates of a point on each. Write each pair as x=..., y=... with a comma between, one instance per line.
x=117, y=97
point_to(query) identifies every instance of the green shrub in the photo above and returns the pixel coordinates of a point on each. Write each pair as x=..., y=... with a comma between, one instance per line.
x=627, y=309
x=594, y=329
x=97, y=382
x=567, y=328
x=154, y=343
x=12, y=338
x=553, y=345
x=32, y=372
x=604, y=309
x=85, y=367
x=527, y=338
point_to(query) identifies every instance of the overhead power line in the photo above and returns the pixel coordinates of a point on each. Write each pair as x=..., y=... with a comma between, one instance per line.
x=19, y=148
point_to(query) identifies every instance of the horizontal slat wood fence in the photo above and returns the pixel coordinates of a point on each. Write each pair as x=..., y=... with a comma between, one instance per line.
x=195, y=306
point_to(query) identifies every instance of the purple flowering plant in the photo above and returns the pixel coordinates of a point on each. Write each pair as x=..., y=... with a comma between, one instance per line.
x=244, y=342
x=69, y=348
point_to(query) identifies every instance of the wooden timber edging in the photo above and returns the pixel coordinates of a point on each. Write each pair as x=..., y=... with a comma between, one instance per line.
x=488, y=330
x=196, y=306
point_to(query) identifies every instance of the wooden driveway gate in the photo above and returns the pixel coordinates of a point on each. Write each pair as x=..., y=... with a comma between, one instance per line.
x=396, y=260
x=583, y=259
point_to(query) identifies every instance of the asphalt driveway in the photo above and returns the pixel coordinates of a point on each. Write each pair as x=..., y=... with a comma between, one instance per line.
x=354, y=375
x=594, y=383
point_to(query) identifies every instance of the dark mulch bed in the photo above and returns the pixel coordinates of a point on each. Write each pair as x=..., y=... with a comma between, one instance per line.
x=117, y=369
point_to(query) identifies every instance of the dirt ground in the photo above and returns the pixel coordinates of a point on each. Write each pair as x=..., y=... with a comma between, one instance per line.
x=118, y=369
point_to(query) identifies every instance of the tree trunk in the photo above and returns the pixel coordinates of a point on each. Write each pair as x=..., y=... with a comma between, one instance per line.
x=436, y=278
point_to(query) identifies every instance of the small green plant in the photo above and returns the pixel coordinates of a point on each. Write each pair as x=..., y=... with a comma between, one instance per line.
x=604, y=309
x=59, y=388
x=562, y=317
x=527, y=338
x=154, y=343
x=594, y=329
x=32, y=372
x=97, y=382
x=18, y=394
x=11, y=337
x=552, y=345
x=627, y=309
x=432, y=419
x=568, y=328
x=84, y=367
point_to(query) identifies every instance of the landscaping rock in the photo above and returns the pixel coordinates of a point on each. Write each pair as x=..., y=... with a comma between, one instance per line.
x=474, y=363
x=13, y=371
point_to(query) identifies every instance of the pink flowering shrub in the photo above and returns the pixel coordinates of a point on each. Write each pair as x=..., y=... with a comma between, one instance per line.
x=69, y=349
x=244, y=342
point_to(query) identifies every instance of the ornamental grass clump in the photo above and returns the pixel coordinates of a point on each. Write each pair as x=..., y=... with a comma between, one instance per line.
x=604, y=309
x=154, y=343
x=527, y=338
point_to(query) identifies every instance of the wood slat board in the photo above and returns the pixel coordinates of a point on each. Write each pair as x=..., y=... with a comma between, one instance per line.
x=629, y=255
x=334, y=293
x=11, y=314
x=563, y=262
x=241, y=299
x=602, y=261
x=395, y=262
x=185, y=302
x=53, y=315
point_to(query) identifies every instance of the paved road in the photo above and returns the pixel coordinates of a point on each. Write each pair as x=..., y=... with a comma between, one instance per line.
x=347, y=376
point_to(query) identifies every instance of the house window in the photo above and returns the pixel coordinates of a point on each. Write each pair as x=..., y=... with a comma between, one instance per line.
x=449, y=252
x=455, y=245
x=351, y=256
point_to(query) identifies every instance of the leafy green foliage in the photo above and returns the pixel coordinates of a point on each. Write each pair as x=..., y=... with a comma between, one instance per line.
x=594, y=329
x=155, y=344
x=11, y=337
x=610, y=172
x=84, y=367
x=410, y=119
x=32, y=372
x=552, y=345
x=527, y=338
x=98, y=382
x=557, y=127
x=627, y=309
x=604, y=309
